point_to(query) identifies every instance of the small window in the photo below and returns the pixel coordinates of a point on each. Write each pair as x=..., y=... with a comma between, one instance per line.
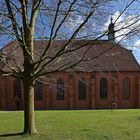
x=103, y=88
x=17, y=88
x=126, y=88
x=60, y=89
x=38, y=90
x=82, y=89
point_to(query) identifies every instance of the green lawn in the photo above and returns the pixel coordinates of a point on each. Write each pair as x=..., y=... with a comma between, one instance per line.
x=74, y=125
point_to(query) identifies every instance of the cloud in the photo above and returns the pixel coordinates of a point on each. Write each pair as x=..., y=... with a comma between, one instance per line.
x=74, y=22
x=137, y=44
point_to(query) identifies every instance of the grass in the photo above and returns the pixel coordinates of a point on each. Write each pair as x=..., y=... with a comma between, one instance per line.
x=74, y=125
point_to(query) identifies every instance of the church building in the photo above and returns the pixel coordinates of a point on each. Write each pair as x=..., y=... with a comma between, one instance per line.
x=108, y=77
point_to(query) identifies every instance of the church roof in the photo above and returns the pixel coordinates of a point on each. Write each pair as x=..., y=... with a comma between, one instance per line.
x=96, y=55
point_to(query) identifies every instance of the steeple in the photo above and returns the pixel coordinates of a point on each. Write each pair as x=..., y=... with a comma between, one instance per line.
x=111, y=32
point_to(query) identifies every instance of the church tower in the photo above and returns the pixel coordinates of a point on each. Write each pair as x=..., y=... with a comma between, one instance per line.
x=111, y=32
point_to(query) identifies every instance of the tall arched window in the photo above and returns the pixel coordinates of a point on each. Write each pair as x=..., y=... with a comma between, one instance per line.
x=60, y=89
x=126, y=88
x=82, y=89
x=103, y=88
x=17, y=88
x=38, y=90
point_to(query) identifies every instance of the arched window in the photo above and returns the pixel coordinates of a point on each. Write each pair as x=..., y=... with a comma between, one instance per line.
x=82, y=89
x=17, y=88
x=60, y=89
x=103, y=88
x=126, y=88
x=38, y=90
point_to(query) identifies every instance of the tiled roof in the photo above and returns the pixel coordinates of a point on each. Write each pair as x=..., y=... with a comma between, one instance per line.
x=99, y=56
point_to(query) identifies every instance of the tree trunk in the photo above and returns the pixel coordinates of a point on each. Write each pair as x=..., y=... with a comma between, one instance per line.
x=29, y=116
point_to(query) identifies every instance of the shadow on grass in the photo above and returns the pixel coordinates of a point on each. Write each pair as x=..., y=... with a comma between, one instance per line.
x=11, y=134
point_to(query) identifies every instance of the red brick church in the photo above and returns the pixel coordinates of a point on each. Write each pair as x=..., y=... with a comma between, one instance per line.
x=108, y=77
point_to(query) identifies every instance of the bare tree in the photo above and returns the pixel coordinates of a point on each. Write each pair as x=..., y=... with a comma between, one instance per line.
x=27, y=20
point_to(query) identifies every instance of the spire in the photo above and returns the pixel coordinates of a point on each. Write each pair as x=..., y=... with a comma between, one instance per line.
x=111, y=31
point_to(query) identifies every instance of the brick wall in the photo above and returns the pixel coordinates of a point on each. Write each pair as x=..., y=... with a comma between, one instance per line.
x=71, y=100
